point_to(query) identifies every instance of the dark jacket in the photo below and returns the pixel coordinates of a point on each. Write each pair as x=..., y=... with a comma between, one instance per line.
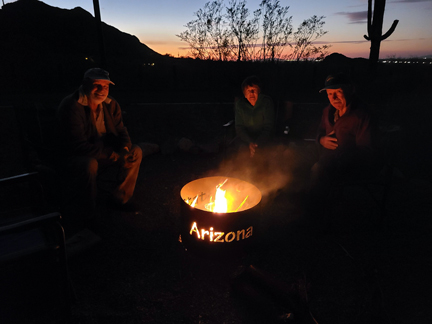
x=355, y=133
x=79, y=132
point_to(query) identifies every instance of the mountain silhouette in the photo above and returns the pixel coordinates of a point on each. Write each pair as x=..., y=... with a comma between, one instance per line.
x=44, y=46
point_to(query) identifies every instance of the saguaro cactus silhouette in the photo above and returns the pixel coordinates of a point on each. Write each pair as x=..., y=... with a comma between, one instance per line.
x=374, y=28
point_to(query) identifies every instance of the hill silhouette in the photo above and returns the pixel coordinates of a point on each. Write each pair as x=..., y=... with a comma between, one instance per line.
x=42, y=44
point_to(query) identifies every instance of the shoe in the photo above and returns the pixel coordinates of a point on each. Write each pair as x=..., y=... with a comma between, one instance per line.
x=81, y=241
x=130, y=207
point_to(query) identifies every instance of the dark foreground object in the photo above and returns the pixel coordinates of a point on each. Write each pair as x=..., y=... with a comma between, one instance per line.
x=34, y=278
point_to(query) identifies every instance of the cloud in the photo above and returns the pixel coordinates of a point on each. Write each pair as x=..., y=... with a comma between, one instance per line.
x=356, y=17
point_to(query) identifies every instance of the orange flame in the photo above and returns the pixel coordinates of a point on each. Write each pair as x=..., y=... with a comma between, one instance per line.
x=232, y=198
x=220, y=203
x=194, y=202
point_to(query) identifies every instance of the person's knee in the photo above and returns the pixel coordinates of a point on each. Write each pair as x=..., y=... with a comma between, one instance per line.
x=316, y=170
x=83, y=166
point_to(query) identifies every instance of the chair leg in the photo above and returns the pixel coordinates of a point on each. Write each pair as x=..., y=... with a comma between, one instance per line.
x=68, y=292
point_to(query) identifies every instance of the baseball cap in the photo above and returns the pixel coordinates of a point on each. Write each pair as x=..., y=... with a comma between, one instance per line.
x=97, y=74
x=336, y=81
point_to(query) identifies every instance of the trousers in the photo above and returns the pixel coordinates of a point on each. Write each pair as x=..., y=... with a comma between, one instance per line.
x=87, y=176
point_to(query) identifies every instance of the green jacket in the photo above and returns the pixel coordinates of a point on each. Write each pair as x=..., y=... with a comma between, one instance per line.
x=255, y=124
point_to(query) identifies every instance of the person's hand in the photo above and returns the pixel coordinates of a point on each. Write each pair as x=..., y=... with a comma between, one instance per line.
x=121, y=157
x=252, y=148
x=126, y=156
x=124, y=152
x=114, y=156
x=328, y=141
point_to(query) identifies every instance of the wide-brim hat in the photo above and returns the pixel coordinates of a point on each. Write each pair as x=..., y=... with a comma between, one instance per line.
x=336, y=81
x=97, y=74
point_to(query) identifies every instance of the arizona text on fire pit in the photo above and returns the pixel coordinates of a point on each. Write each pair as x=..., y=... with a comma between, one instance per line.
x=219, y=214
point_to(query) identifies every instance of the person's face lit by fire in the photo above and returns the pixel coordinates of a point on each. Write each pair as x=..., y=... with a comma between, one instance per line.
x=339, y=98
x=99, y=91
x=251, y=93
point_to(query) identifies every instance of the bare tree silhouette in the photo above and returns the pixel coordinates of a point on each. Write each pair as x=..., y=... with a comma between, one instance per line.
x=233, y=36
x=276, y=29
x=244, y=30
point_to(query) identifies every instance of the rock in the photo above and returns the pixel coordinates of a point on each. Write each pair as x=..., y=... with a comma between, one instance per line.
x=170, y=146
x=185, y=144
x=209, y=148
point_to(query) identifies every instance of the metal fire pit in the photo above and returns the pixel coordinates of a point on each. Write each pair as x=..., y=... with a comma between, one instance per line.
x=209, y=233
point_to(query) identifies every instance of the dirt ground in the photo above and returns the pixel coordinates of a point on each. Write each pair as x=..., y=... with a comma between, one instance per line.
x=140, y=273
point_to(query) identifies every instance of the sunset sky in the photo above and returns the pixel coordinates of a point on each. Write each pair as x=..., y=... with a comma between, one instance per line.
x=156, y=23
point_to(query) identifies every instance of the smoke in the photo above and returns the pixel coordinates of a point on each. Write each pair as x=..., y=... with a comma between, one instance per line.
x=273, y=169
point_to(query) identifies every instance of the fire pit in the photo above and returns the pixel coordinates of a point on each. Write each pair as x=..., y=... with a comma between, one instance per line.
x=219, y=214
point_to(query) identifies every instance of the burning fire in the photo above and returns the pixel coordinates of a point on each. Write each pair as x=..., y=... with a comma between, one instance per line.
x=231, y=199
x=219, y=209
x=220, y=204
x=193, y=202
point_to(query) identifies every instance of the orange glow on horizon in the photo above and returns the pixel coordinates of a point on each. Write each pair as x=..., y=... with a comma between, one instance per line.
x=351, y=50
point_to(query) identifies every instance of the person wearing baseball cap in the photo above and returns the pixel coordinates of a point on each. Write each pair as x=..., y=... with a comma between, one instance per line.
x=95, y=139
x=345, y=137
x=97, y=74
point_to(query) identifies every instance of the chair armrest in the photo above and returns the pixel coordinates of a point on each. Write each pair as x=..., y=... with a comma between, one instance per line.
x=31, y=223
x=25, y=177
x=228, y=123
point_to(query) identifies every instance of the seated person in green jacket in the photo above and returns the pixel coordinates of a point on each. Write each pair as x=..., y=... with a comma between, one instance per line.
x=254, y=117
